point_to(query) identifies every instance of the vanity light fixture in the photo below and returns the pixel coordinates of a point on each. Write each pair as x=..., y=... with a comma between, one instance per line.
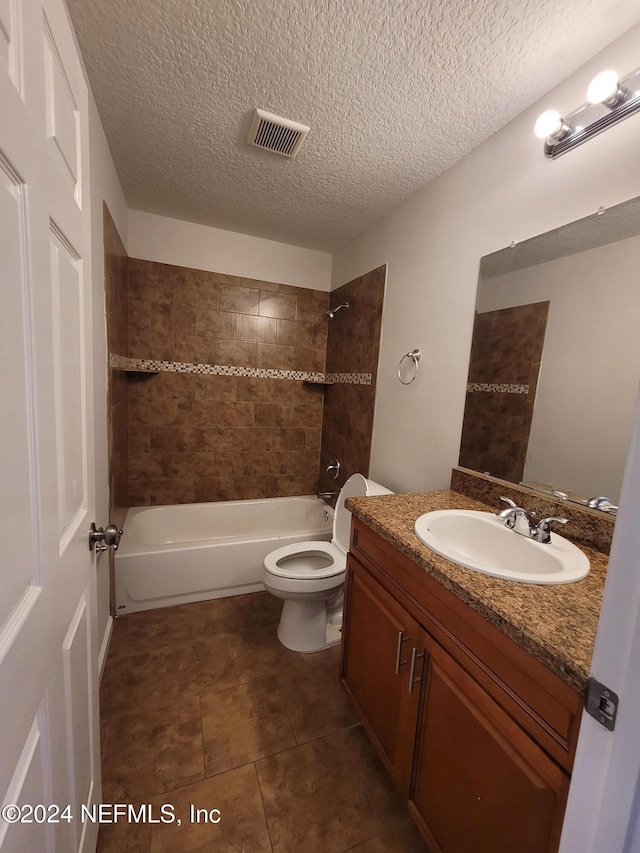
x=609, y=100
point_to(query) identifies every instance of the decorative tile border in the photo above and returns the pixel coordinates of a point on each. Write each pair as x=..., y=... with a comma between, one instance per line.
x=121, y=362
x=493, y=387
x=348, y=378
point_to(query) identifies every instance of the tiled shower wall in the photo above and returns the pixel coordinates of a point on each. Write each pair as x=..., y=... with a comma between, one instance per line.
x=117, y=306
x=506, y=353
x=199, y=437
x=353, y=346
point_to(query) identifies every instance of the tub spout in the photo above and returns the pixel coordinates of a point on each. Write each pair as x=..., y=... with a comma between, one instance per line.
x=328, y=495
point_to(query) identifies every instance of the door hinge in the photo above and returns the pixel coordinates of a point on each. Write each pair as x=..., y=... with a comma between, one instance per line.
x=602, y=703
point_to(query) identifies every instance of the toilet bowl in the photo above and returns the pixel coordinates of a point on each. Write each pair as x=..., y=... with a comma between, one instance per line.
x=309, y=577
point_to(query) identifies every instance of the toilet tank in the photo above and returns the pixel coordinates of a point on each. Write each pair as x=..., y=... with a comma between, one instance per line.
x=374, y=488
x=357, y=486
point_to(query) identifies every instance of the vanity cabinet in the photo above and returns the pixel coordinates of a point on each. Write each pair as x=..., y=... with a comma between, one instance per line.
x=475, y=732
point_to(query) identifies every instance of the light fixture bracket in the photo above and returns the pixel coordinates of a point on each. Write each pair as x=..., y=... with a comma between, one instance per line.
x=591, y=119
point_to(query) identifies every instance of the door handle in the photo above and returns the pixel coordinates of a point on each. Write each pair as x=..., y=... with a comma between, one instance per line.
x=412, y=672
x=399, y=662
x=103, y=539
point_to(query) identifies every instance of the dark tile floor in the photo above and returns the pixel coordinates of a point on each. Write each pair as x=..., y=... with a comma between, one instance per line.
x=203, y=709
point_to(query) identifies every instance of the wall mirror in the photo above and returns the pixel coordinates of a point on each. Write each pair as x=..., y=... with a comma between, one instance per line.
x=555, y=360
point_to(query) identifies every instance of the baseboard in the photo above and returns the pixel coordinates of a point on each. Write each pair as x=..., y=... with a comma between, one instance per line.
x=104, y=648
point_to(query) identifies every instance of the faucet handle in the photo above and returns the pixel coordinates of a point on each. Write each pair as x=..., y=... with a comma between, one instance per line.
x=547, y=521
x=333, y=468
x=542, y=532
x=514, y=517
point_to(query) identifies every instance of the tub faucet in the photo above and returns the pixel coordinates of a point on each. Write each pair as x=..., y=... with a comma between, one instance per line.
x=333, y=468
x=328, y=495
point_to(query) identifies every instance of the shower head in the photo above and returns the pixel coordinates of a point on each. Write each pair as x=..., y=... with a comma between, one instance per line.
x=331, y=313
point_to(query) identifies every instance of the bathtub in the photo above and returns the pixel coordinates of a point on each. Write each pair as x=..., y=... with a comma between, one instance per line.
x=191, y=552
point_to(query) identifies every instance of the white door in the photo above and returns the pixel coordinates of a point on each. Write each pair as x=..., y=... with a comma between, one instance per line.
x=603, y=810
x=49, y=755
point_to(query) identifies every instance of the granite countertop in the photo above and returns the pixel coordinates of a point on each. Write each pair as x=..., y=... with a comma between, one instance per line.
x=557, y=624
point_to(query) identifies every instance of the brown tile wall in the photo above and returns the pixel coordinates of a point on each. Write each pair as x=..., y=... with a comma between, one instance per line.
x=206, y=438
x=117, y=305
x=506, y=349
x=353, y=347
x=199, y=438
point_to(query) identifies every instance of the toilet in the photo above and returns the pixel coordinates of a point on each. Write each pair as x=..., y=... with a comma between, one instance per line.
x=309, y=577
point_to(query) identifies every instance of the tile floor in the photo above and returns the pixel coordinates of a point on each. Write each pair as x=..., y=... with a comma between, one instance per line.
x=202, y=707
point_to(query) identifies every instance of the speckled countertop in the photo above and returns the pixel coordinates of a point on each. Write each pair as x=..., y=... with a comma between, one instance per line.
x=557, y=624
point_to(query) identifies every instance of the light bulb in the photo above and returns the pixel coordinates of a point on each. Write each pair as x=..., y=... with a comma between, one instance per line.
x=603, y=88
x=548, y=124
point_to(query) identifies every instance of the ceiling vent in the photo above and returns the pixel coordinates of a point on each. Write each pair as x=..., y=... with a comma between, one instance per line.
x=277, y=134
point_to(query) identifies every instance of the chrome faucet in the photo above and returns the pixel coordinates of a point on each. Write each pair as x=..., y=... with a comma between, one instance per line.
x=519, y=520
x=602, y=503
x=328, y=495
x=541, y=532
x=515, y=518
x=333, y=468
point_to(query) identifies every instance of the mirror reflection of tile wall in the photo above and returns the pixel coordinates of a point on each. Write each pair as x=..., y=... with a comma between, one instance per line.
x=588, y=382
x=506, y=353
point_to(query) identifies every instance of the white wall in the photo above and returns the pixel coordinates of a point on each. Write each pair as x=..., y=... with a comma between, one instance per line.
x=588, y=385
x=504, y=190
x=105, y=186
x=172, y=241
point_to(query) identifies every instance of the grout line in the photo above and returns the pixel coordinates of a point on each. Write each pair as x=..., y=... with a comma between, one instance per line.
x=204, y=758
x=287, y=715
x=262, y=800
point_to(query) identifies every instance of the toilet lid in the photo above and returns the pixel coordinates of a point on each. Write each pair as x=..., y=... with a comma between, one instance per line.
x=306, y=560
x=355, y=487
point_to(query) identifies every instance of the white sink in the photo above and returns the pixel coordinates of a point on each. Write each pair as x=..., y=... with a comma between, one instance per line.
x=481, y=541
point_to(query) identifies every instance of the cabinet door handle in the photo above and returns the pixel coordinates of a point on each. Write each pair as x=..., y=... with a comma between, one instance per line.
x=400, y=662
x=412, y=672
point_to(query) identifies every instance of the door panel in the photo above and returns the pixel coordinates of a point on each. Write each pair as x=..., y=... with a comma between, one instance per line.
x=77, y=703
x=16, y=418
x=68, y=360
x=481, y=784
x=8, y=54
x=27, y=788
x=62, y=114
x=376, y=669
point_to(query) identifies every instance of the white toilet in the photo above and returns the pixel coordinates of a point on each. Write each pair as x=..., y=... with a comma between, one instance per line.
x=309, y=576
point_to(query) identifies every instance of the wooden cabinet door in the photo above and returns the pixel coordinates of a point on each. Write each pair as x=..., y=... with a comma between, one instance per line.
x=480, y=784
x=380, y=640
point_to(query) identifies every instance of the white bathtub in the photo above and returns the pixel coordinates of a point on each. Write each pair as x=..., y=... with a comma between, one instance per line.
x=191, y=552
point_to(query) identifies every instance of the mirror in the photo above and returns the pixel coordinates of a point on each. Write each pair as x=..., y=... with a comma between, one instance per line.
x=555, y=361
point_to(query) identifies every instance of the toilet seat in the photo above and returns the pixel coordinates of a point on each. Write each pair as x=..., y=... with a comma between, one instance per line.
x=297, y=561
x=309, y=578
x=307, y=564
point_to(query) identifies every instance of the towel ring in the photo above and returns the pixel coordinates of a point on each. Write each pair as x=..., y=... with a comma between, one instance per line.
x=415, y=355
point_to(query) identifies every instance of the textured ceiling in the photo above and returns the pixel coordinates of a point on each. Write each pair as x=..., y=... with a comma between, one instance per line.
x=394, y=93
x=600, y=229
